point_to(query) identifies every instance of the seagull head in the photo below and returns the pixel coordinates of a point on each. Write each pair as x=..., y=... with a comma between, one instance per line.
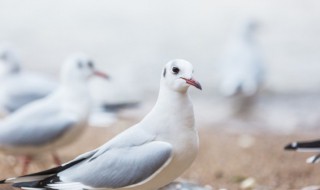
x=9, y=61
x=79, y=68
x=178, y=75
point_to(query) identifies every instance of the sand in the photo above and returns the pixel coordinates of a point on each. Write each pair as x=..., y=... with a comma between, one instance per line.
x=224, y=161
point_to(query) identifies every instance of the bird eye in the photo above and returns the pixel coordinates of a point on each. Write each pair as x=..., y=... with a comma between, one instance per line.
x=175, y=70
x=90, y=64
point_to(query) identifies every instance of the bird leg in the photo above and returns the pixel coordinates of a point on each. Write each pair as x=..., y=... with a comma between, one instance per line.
x=56, y=159
x=26, y=162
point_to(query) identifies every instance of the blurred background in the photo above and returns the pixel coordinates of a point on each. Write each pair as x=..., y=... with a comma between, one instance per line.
x=132, y=40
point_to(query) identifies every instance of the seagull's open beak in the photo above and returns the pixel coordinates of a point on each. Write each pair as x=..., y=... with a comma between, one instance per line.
x=101, y=74
x=193, y=82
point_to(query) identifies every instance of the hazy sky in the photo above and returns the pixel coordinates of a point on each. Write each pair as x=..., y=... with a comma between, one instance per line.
x=134, y=39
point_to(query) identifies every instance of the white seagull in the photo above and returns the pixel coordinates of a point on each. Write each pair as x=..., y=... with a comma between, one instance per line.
x=54, y=121
x=146, y=156
x=306, y=146
x=108, y=105
x=242, y=71
x=17, y=86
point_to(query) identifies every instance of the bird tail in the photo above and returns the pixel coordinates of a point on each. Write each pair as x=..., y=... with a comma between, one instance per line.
x=307, y=146
x=41, y=179
x=33, y=181
x=37, y=184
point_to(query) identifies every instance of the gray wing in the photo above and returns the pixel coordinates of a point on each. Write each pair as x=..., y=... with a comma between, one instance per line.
x=18, y=100
x=120, y=167
x=24, y=88
x=34, y=126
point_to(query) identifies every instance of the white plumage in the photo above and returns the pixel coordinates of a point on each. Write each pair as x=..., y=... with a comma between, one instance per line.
x=57, y=120
x=146, y=156
x=19, y=87
x=242, y=71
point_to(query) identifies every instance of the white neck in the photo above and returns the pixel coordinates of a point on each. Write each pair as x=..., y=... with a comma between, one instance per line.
x=75, y=98
x=172, y=99
x=172, y=111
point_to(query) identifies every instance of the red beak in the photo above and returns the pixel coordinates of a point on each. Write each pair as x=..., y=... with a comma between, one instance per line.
x=193, y=82
x=101, y=74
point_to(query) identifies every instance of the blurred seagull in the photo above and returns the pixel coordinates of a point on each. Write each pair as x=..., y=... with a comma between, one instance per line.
x=105, y=101
x=105, y=114
x=241, y=66
x=19, y=87
x=307, y=146
x=54, y=121
x=146, y=156
x=107, y=105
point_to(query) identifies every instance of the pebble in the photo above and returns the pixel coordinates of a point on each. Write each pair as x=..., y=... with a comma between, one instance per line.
x=248, y=183
x=311, y=188
x=185, y=186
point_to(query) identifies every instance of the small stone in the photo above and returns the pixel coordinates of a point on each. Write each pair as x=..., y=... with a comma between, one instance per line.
x=248, y=183
x=246, y=141
x=218, y=174
x=311, y=188
x=183, y=186
x=178, y=186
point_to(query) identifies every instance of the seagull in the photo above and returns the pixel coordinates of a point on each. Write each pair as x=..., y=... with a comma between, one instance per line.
x=17, y=86
x=105, y=114
x=108, y=105
x=306, y=146
x=54, y=121
x=116, y=100
x=241, y=68
x=146, y=156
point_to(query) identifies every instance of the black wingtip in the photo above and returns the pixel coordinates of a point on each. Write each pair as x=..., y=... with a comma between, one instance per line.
x=291, y=146
x=2, y=181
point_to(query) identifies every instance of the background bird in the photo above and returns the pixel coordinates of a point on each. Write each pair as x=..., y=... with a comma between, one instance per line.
x=146, y=156
x=17, y=86
x=54, y=121
x=110, y=101
x=241, y=65
x=306, y=146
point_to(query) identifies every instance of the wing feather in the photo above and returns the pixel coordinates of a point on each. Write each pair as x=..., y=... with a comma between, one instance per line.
x=121, y=167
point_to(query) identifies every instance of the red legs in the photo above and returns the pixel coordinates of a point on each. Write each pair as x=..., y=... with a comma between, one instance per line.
x=56, y=159
x=26, y=162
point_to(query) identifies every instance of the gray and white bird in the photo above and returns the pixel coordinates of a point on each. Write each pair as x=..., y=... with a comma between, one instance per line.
x=146, y=156
x=108, y=104
x=306, y=146
x=241, y=66
x=17, y=86
x=54, y=121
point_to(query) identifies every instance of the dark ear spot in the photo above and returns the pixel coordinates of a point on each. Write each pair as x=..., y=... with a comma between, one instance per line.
x=164, y=72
